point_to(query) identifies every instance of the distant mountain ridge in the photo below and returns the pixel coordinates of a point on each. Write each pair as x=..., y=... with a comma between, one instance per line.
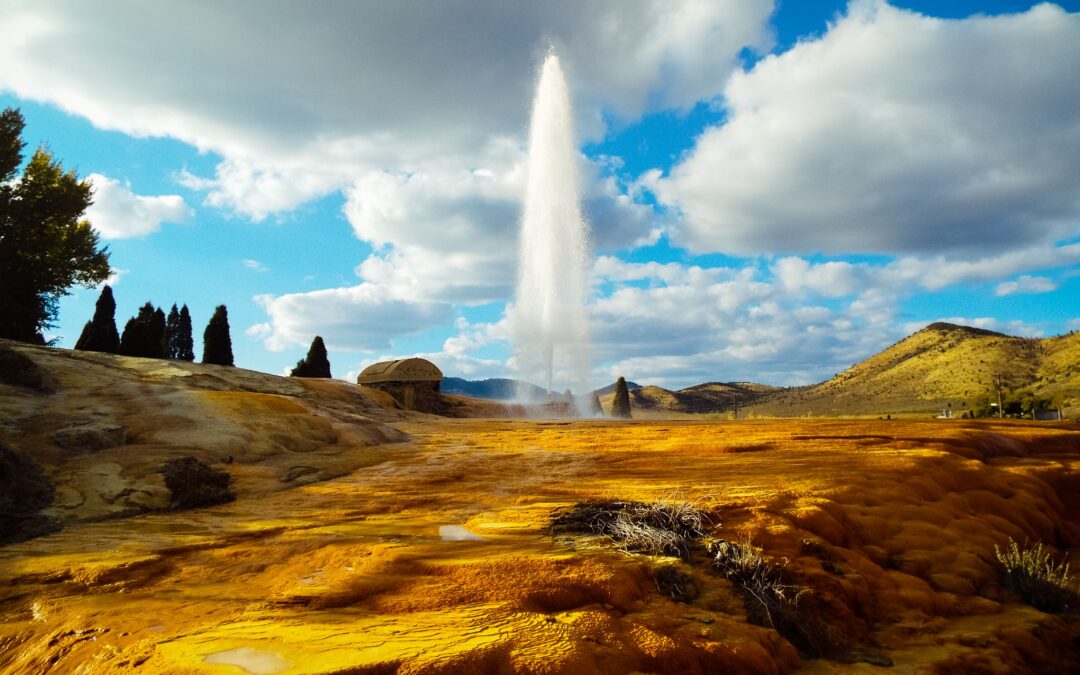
x=496, y=388
x=604, y=391
x=943, y=366
x=506, y=389
x=709, y=397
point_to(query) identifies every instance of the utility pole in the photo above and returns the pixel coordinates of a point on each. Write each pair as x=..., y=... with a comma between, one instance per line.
x=997, y=380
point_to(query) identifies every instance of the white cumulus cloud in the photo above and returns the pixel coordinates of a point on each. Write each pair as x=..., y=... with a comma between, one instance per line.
x=299, y=100
x=119, y=213
x=1026, y=284
x=894, y=133
x=364, y=317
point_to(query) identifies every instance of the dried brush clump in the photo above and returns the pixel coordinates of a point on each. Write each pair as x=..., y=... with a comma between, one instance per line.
x=741, y=564
x=772, y=600
x=666, y=527
x=676, y=584
x=1034, y=575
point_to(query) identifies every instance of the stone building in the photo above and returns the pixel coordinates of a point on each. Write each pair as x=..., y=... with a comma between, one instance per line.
x=413, y=382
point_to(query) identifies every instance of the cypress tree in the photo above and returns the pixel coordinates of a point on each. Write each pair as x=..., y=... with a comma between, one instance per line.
x=156, y=345
x=620, y=405
x=144, y=334
x=84, y=336
x=99, y=334
x=595, y=408
x=185, y=343
x=172, y=334
x=315, y=364
x=134, y=330
x=217, y=344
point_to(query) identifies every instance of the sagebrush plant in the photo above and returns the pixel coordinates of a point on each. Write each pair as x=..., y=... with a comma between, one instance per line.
x=674, y=526
x=1038, y=578
x=772, y=600
x=667, y=526
x=741, y=564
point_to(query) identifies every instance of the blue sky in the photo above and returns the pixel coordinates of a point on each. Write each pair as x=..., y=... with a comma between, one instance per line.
x=775, y=191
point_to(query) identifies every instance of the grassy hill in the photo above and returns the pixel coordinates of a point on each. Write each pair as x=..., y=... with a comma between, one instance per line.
x=940, y=366
x=710, y=397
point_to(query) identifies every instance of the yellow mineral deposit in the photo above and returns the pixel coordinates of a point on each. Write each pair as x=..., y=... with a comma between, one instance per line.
x=421, y=544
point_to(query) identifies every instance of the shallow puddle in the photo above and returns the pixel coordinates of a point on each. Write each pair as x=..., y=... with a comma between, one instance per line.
x=250, y=660
x=458, y=533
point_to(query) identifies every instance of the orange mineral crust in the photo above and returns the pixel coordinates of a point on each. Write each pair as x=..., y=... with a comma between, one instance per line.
x=436, y=556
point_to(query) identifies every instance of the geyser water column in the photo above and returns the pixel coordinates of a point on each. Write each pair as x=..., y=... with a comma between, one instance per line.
x=550, y=331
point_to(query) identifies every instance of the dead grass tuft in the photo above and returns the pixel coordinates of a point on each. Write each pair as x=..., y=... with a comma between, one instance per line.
x=665, y=527
x=676, y=584
x=772, y=600
x=1034, y=575
x=741, y=564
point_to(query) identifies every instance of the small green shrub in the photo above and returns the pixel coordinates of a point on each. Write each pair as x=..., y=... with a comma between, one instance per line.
x=1034, y=575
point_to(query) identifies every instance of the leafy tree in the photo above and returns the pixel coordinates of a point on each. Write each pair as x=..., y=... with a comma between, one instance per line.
x=45, y=244
x=144, y=334
x=217, y=344
x=99, y=334
x=315, y=364
x=981, y=405
x=620, y=404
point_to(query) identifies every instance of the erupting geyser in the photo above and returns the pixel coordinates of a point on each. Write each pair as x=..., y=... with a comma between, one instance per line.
x=549, y=322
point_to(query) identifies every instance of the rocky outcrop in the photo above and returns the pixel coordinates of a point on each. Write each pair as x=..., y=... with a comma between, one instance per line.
x=24, y=492
x=120, y=436
x=18, y=370
x=193, y=483
x=89, y=437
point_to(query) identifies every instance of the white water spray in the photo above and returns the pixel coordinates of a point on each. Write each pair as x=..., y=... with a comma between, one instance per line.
x=550, y=328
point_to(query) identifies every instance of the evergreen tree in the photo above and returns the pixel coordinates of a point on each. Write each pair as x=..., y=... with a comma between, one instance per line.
x=185, y=343
x=217, y=344
x=315, y=364
x=45, y=244
x=99, y=334
x=595, y=408
x=138, y=337
x=84, y=336
x=156, y=345
x=172, y=334
x=620, y=404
